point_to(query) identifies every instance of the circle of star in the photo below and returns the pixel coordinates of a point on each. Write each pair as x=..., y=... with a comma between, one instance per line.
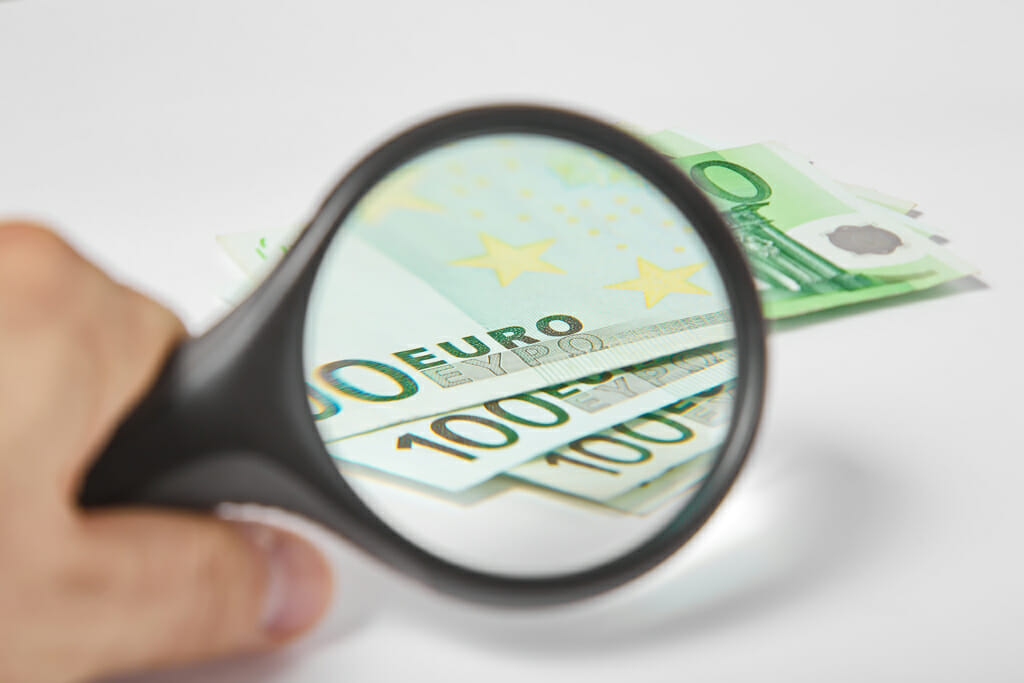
x=396, y=192
x=508, y=261
x=657, y=283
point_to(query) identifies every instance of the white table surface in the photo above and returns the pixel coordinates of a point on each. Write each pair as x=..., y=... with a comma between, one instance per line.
x=876, y=533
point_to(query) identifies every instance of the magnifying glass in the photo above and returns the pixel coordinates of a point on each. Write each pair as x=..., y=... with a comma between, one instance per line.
x=516, y=355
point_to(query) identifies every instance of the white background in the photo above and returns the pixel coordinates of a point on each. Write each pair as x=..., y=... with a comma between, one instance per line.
x=876, y=534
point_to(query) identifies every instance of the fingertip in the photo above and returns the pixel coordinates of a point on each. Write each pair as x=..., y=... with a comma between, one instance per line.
x=180, y=587
x=299, y=583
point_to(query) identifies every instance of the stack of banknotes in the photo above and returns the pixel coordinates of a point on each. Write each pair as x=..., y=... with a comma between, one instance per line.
x=813, y=244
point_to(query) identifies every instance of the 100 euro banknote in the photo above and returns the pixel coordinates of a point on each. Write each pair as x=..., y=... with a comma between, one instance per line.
x=460, y=449
x=666, y=458
x=497, y=266
x=812, y=243
x=608, y=464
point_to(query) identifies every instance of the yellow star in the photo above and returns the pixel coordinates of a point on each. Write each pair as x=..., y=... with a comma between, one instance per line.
x=393, y=193
x=510, y=262
x=656, y=283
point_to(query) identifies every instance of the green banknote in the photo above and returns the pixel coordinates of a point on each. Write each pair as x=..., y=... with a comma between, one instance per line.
x=256, y=252
x=610, y=463
x=672, y=484
x=813, y=244
x=463, y=448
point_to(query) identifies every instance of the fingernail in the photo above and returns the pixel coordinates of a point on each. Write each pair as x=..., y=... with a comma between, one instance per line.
x=298, y=581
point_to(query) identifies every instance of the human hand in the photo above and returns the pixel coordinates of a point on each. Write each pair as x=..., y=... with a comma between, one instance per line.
x=83, y=594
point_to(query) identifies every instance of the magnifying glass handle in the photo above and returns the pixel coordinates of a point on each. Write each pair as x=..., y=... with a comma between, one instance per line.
x=217, y=426
x=176, y=449
x=149, y=442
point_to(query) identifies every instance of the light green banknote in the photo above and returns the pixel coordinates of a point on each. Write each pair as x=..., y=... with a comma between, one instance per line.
x=494, y=266
x=461, y=449
x=256, y=252
x=610, y=463
x=681, y=468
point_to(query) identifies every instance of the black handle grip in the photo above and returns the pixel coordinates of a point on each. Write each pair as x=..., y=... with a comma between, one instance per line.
x=149, y=443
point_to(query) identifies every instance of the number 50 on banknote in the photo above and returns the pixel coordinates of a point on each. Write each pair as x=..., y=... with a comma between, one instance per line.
x=495, y=332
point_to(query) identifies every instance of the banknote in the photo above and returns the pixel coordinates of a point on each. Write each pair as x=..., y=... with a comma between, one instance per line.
x=672, y=485
x=812, y=244
x=614, y=461
x=460, y=449
x=256, y=252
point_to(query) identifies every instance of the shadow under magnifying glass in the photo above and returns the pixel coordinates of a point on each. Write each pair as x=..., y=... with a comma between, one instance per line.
x=791, y=525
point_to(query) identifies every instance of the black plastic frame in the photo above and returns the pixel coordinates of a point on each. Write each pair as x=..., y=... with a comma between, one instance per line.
x=228, y=418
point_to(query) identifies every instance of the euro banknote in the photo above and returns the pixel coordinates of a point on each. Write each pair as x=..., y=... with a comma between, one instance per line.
x=681, y=468
x=495, y=266
x=610, y=463
x=463, y=448
x=813, y=244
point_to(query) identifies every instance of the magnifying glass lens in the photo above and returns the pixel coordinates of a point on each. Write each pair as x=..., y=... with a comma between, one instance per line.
x=520, y=354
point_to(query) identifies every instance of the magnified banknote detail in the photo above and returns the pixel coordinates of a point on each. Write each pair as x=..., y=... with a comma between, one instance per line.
x=497, y=265
x=495, y=343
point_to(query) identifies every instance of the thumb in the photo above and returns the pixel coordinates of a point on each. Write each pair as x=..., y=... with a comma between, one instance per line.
x=177, y=587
